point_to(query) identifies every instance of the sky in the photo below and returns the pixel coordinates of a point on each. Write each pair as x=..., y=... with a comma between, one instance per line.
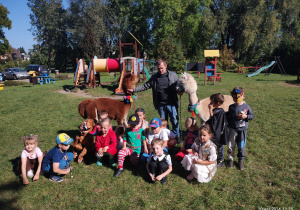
x=19, y=34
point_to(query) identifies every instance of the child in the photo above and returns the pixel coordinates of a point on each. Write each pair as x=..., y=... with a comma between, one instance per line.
x=143, y=122
x=238, y=116
x=119, y=131
x=106, y=142
x=132, y=142
x=156, y=133
x=159, y=163
x=202, y=162
x=57, y=160
x=218, y=124
x=191, y=134
x=31, y=159
x=142, y=116
x=172, y=142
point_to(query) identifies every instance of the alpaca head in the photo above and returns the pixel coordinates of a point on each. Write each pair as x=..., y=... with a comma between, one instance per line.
x=187, y=83
x=129, y=82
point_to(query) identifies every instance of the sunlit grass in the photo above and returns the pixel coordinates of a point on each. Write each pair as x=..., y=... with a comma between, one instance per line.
x=270, y=179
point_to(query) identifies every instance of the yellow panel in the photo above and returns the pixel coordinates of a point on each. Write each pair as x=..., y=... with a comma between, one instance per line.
x=100, y=65
x=211, y=53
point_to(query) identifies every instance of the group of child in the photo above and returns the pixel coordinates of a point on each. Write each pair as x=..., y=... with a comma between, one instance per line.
x=202, y=151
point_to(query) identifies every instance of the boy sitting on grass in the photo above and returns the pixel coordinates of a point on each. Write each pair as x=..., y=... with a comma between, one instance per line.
x=159, y=163
x=157, y=132
x=57, y=160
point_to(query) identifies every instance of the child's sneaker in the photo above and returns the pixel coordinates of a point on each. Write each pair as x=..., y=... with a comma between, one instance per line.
x=98, y=162
x=118, y=172
x=30, y=173
x=241, y=165
x=55, y=178
x=164, y=181
x=220, y=164
x=112, y=163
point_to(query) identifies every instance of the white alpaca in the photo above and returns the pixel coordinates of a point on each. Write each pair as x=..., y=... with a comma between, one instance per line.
x=188, y=84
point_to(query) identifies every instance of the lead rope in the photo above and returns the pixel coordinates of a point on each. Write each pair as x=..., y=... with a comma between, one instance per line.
x=180, y=131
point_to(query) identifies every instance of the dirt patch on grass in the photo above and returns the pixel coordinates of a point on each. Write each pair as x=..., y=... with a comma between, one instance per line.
x=291, y=83
x=82, y=93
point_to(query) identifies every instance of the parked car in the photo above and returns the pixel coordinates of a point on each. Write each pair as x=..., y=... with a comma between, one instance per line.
x=15, y=73
x=40, y=69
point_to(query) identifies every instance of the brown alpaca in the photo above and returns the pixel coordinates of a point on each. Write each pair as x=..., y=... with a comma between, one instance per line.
x=84, y=143
x=117, y=110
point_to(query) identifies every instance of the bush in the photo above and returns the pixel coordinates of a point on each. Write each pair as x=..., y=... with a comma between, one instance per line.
x=14, y=83
x=62, y=76
x=226, y=58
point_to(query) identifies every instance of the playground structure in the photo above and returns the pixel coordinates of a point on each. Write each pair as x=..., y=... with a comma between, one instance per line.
x=211, y=65
x=240, y=69
x=272, y=64
x=90, y=75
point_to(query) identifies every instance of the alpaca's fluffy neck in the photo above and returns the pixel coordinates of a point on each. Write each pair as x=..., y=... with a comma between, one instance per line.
x=193, y=98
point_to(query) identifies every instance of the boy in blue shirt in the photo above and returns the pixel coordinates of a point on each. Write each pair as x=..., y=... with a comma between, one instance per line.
x=57, y=160
x=238, y=116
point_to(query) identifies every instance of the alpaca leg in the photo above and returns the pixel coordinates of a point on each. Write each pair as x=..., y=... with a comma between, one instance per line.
x=83, y=153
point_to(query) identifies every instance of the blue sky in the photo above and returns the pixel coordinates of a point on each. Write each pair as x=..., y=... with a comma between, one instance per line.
x=19, y=35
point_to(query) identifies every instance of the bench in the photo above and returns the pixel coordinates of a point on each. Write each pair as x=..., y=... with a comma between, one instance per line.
x=53, y=80
x=218, y=78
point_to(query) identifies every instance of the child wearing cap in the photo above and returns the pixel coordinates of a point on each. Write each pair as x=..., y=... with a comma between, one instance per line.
x=156, y=133
x=57, y=160
x=132, y=142
x=238, y=116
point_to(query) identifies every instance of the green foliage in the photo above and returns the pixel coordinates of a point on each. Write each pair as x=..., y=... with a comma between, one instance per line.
x=226, y=58
x=13, y=64
x=46, y=18
x=62, y=76
x=14, y=83
x=5, y=22
x=22, y=50
x=171, y=51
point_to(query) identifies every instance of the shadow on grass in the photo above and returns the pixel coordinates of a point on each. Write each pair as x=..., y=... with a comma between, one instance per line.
x=14, y=186
x=68, y=88
x=177, y=167
x=111, y=87
x=16, y=164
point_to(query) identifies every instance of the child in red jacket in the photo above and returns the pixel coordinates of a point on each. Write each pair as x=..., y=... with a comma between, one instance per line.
x=106, y=142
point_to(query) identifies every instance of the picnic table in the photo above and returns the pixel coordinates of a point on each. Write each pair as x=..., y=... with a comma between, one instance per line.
x=44, y=79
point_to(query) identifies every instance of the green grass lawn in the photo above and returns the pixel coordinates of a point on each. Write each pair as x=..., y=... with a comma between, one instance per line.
x=270, y=179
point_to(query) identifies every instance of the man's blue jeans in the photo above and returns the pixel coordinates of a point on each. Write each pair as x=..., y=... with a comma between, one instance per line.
x=166, y=111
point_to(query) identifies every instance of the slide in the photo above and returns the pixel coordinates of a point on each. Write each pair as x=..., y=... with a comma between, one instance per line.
x=261, y=69
x=147, y=73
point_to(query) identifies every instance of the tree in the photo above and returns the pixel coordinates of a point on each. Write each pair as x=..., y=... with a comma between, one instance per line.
x=250, y=28
x=38, y=55
x=22, y=50
x=47, y=20
x=5, y=22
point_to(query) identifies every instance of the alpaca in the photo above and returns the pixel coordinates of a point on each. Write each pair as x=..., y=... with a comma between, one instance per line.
x=117, y=110
x=187, y=84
